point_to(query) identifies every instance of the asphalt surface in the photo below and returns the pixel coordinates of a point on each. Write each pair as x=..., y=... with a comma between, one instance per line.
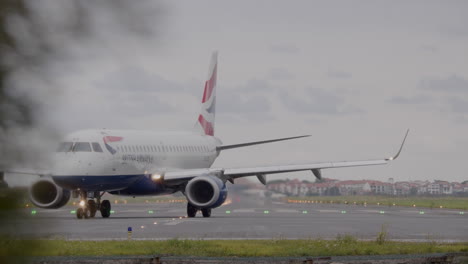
x=246, y=218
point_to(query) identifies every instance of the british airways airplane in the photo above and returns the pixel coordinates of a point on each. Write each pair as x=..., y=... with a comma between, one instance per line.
x=89, y=163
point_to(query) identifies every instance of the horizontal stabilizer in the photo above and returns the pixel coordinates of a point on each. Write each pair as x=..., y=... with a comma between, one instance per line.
x=256, y=143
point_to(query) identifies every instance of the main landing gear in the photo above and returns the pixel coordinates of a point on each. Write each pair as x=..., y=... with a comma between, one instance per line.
x=90, y=203
x=192, y=211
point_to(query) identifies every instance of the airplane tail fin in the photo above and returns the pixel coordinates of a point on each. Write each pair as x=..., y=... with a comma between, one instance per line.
x=206, y=118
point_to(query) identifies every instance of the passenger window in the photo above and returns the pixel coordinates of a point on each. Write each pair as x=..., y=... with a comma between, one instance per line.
x=82, y=147
x=65, y=147
x=96, y=147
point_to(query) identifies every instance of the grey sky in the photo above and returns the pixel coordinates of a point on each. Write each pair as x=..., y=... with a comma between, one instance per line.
x=353, y=74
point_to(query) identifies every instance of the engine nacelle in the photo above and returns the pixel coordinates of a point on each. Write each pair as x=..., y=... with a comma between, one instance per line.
x=44, y=193
x=206, y=192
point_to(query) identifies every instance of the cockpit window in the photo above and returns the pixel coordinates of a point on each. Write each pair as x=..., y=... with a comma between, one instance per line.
x=65, y=147
x=96, y=147
x=82, y=147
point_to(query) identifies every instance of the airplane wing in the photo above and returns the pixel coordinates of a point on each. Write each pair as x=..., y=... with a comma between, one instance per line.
x=229, y=174
x=224, y=147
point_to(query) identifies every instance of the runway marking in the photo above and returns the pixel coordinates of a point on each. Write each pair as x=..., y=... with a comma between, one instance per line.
x=369, y=211
x=244, y=210
x=286, y=211
x=50, y=211
x=173, y=223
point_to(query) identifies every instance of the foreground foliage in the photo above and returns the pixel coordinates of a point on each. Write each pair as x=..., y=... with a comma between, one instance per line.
x=341, y=246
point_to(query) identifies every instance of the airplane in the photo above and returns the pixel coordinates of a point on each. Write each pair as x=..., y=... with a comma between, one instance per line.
x=90, y=163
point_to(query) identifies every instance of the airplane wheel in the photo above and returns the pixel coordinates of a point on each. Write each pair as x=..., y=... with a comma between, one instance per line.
x=79, y=213
x=191, y=210
x=105, y=208
x=86, y=213
x=92, y=208
x=206, y=212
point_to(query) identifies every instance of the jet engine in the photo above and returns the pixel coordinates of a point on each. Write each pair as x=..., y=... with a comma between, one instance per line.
x=44, y=193
x=206, y=192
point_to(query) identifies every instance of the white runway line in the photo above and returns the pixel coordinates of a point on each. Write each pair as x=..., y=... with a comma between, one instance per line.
x=173, y=222
x=52, y=211
x=369, y=211
x=285, y=211
x=244, y=210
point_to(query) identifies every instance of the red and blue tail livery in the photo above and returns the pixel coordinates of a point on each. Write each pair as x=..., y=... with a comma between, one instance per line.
x=206, y=118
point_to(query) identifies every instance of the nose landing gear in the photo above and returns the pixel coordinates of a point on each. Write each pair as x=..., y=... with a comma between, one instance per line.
x=90, y=203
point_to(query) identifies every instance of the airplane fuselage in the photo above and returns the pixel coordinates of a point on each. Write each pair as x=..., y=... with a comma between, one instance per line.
x=123, y=161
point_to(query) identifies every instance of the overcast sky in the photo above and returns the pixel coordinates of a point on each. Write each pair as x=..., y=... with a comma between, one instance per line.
x=353, y=74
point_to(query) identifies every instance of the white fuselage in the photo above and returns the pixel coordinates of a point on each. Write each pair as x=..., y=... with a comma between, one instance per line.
x=124, y=156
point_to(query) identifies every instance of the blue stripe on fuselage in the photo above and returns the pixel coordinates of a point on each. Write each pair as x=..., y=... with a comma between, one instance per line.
x=139, y=184
x=96, y=183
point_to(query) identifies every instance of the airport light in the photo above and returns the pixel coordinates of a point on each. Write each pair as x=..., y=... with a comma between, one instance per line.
x=382, y=212
x=112, y=211
x=228, y=212
x=462, y=213
x=33, y=212
x=421, y=212
x=266, y=212
x=129, y=233
x=156, y=177
x=82, y=203
x=150, y=212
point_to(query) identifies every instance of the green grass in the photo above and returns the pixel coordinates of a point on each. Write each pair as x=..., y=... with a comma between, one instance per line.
x=341, y=246
x=427, y=202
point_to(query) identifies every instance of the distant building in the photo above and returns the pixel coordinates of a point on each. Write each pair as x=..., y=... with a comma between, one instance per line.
x=361, y=187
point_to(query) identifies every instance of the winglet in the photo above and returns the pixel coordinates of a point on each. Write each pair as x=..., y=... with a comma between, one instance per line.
x=401, y=147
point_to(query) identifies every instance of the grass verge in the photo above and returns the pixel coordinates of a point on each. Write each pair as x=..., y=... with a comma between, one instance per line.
x=427, y=202
x=341, y=246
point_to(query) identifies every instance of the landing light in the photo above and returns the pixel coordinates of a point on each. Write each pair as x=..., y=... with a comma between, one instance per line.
x=82, y=203
x=156, y=177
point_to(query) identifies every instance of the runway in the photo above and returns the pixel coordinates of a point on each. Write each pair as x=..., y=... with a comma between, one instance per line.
x=245, y=220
